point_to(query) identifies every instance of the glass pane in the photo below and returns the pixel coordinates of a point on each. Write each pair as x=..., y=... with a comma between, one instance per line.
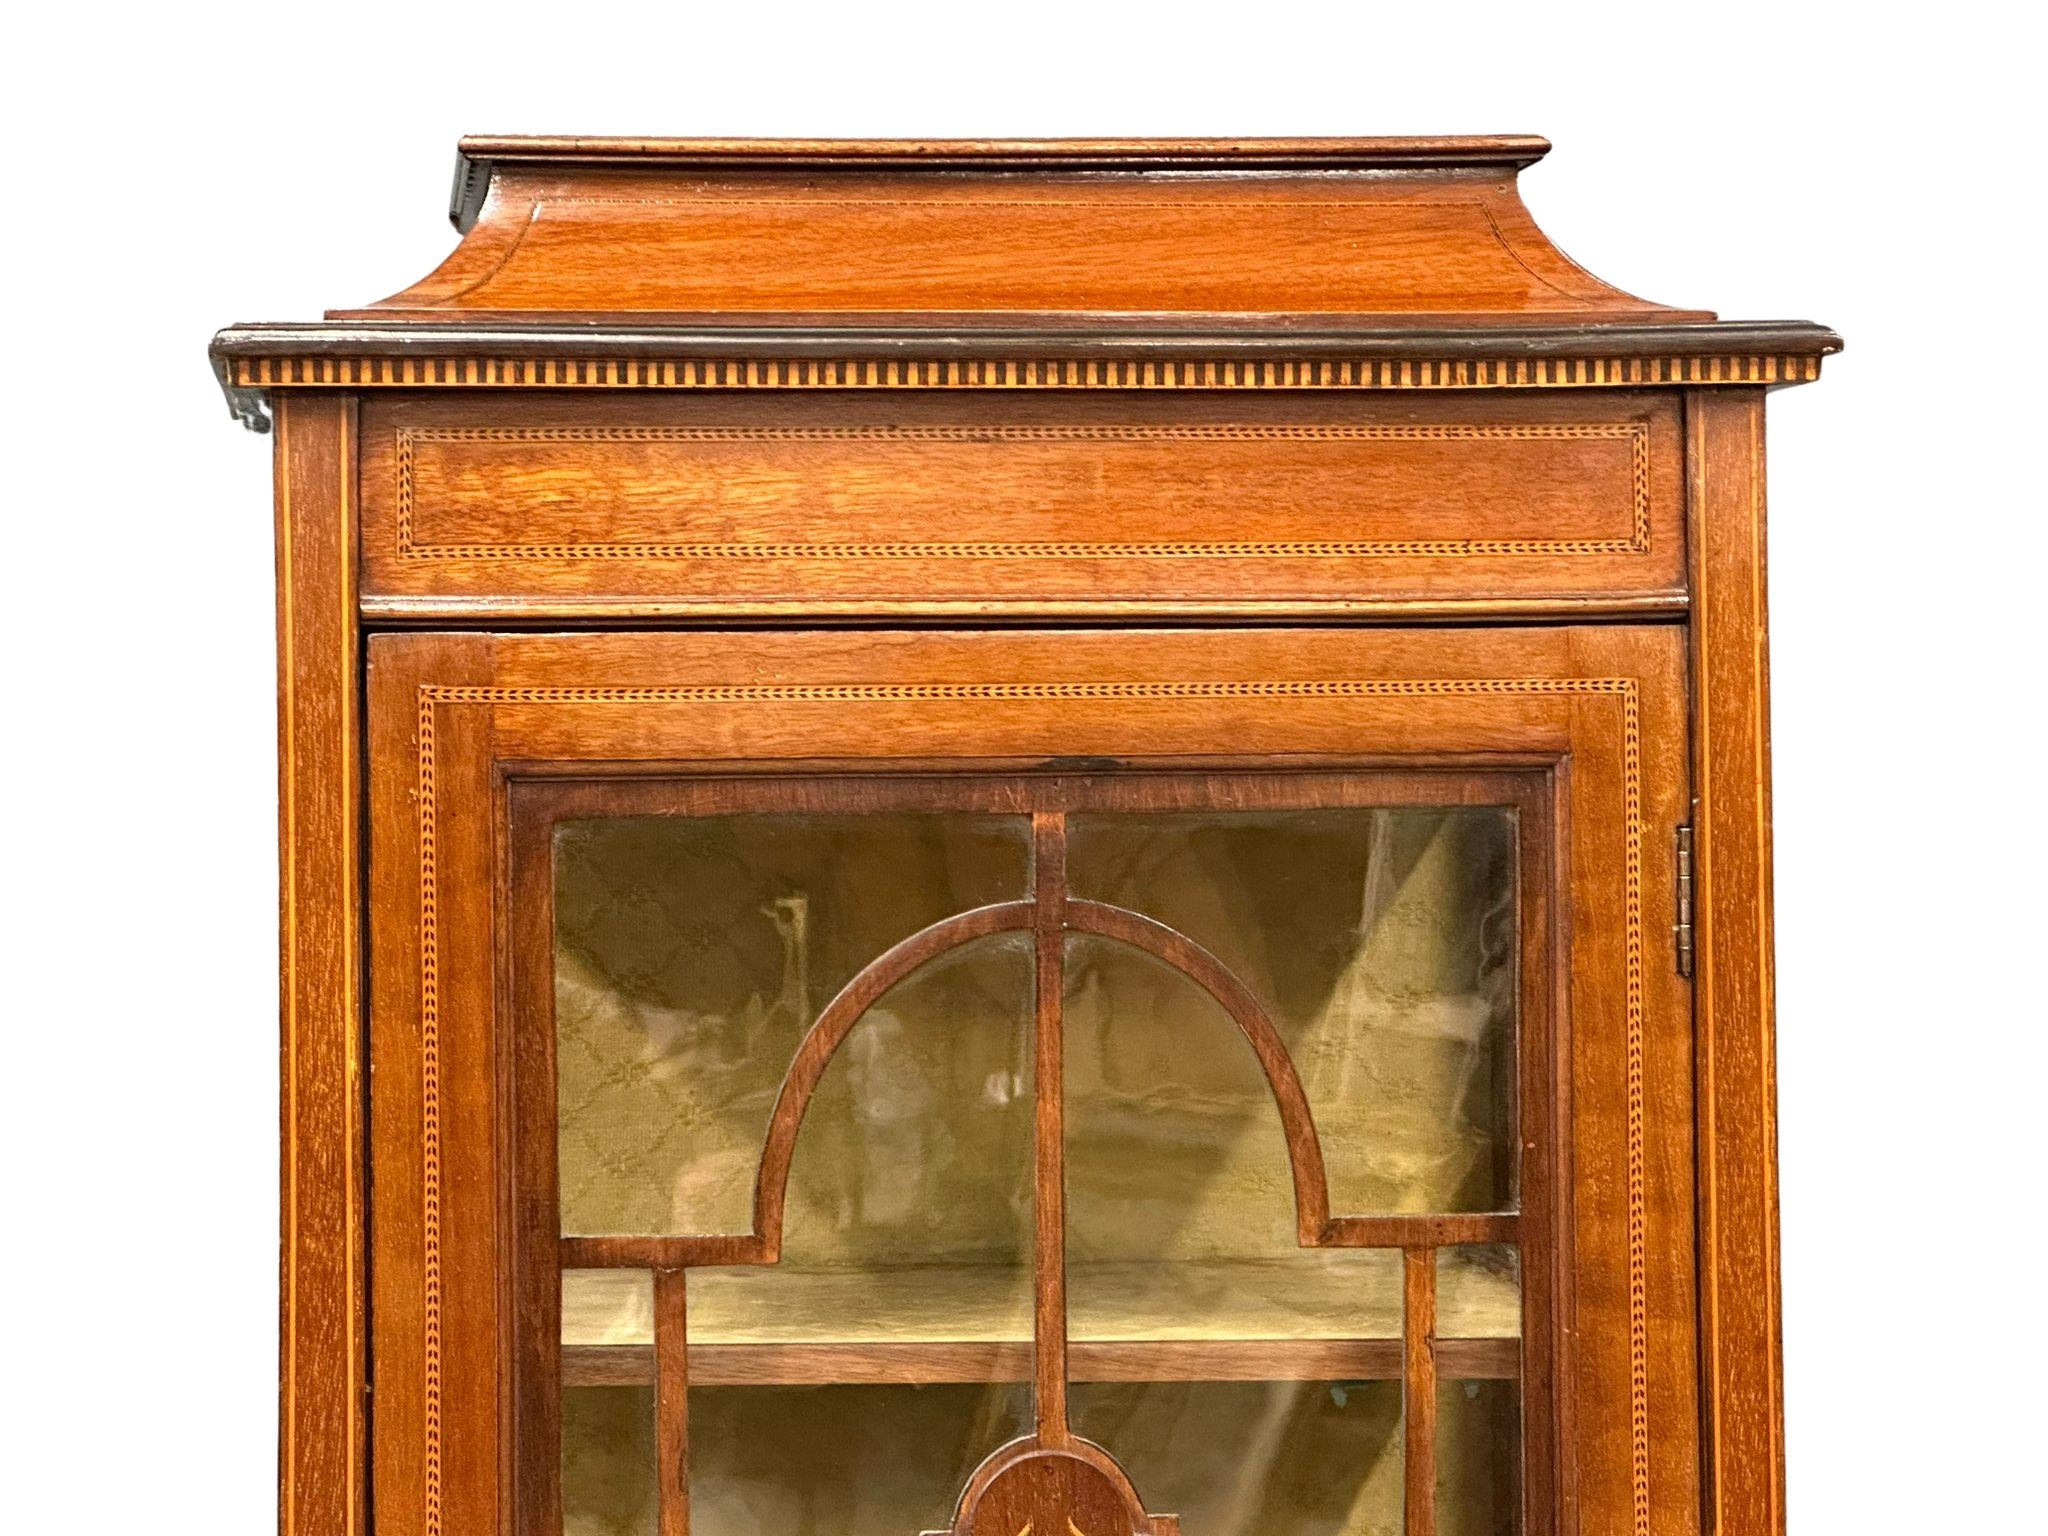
x=909, y=1207
x=906, y=1268
x=1256, y=1458
x=1479, y=1396
x=1180, y=1200
x=691, y=954
x=1383, y=943
x=841, y=1461
x=1182, y=1262
x=608, y=1461
x=605, y=1309
x=1478, y=1458
x=1479, y=1292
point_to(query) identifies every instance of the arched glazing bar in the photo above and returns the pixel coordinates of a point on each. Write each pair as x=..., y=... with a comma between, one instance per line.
x=1049, y=911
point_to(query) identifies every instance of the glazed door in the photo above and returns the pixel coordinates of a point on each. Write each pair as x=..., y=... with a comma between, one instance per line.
x=847, y=1084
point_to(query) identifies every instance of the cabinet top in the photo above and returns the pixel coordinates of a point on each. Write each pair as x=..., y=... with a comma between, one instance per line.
x=479, y=155
x=1321, y=262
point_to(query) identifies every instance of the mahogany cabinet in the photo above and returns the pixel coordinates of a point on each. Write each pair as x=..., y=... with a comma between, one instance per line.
x=1023, y=837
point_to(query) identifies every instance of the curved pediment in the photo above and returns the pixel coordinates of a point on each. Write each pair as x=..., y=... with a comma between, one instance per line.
x=1418, y=230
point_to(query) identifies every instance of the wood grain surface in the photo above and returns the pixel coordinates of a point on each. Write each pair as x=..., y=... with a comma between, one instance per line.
x=1031, y=476
x=1740, y=1343
x=466, y=711
x=323, y=1365
x=719, y=507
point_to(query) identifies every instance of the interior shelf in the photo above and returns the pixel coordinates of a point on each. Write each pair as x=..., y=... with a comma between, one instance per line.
x=915, y=1364
x=1335, y=1317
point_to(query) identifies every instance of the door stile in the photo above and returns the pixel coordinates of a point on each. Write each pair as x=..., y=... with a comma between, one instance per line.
x=534, y=1225
x=1545, y=1049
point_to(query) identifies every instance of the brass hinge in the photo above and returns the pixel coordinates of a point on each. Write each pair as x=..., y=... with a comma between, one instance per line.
x=1681, y=928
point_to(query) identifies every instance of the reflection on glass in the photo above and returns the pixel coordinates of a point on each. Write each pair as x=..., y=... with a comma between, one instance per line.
x=841, y=1461
x=908, y=1216
x=1180, y=1212
x=909, y=1208
x=1479, y=1291
x=1383, y=942
x=608, y=1486
x=1256, y=1458
x=606, y=1308
x=1180, y=1199
x=691, y=954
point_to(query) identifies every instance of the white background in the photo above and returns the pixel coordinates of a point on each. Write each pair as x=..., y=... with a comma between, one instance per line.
x=174, y=171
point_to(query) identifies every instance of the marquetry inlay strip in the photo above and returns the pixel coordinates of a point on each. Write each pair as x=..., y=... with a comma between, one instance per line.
x=432, y=698
x=430, y=1103
x=495, y=372
x=1635, y=433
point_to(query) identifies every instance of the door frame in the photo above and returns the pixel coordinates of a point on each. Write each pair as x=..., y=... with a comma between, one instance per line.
x=456, y=721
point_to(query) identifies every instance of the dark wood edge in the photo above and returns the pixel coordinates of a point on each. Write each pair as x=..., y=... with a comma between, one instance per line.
x=1364, y=149
x=470, y=186
x=408, y=610
x=247, y=405
x=1544, y=1052
x=1017, y=787
x=478, y=156
x=997, y=335
x=526, y=918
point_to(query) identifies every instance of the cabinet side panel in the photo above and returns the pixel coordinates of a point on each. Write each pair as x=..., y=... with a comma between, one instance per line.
x=321, y=1357
x=1740, y=1355
x=1632, y=1341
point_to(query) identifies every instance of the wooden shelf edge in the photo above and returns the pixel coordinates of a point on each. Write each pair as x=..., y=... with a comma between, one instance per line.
x=924, y=1364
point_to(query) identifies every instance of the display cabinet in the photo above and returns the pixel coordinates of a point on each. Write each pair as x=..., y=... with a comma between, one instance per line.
x=1022, y=839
